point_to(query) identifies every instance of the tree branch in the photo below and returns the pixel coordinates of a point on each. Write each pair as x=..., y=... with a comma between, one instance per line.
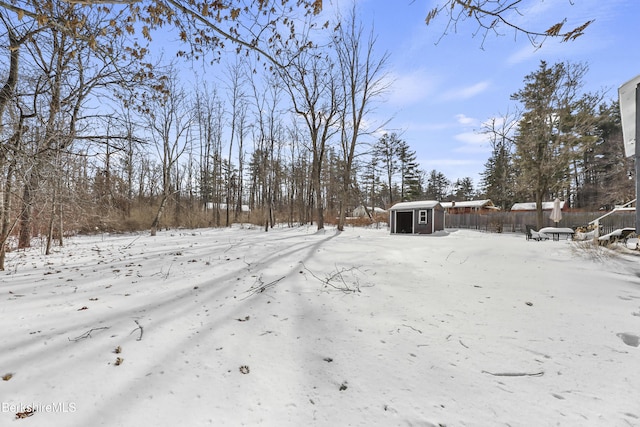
x=489, y=14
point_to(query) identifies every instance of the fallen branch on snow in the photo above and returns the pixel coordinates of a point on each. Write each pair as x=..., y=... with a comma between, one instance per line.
x=87, y=334
x=515, y=374
x=411, y=327
x=140, y=328
x=345, y=287
x=262, y=287
x=130, y=244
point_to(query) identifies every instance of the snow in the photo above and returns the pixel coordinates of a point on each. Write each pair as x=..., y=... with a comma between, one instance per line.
x=619, y=233
x=294, y=327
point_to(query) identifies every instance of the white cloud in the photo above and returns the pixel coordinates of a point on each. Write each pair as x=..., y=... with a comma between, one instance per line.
x=474, y=138
x=435, y=163
x=466, y=92
x=464, y=120
x=474, y=142
x=411, y=87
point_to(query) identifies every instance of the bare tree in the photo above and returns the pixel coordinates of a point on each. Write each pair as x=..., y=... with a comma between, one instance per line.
x=70, y=71
x=363, y=80
x=237, y=101
x=267, y=134
x=313, y=87
x=204, y=27
x=256, y=25
x=169, y=122
x=207, y=107
x=241, y=131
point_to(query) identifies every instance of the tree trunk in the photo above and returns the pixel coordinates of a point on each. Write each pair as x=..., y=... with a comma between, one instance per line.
x=6, y=92
x=24, y=235
x=317, y=179
x=50, y=227
x=60, y=224
x=6, y=228
x=539, y=212
x=156, y=221
x=344, y=200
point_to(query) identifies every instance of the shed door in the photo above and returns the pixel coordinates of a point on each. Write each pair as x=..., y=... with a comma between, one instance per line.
x=404, y=222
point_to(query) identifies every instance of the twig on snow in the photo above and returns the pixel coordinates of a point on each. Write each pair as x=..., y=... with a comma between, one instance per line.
x=129, y=245
x=87, y=334
x=461, y=262
x=411, y=327
x=262, y=287
x=515, y=374
x=166, y=276
x=138, y=328
x=337, y=275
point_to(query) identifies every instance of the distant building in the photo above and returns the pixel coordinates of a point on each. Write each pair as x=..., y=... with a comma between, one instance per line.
x=531, y=206
x=361, y=212
x=424, y=217
x=470, y=206
x=223, y=207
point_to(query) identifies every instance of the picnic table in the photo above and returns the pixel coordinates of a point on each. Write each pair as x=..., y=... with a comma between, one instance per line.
x=556, y=232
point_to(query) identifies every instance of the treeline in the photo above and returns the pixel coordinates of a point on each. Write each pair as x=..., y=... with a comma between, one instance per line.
x=96, y=137
x=560, y=142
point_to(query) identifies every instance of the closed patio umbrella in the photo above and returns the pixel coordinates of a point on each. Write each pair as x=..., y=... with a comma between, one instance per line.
x=556, y=212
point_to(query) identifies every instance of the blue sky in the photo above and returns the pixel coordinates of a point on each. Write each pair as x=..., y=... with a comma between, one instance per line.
x=446, y=87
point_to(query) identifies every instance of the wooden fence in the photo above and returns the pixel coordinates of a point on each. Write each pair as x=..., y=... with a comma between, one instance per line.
x=513, y=222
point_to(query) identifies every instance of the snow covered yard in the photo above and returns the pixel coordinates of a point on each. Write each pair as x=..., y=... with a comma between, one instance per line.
x=293, y=327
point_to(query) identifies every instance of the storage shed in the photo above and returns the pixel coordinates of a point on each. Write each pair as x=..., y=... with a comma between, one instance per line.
x=425, y=217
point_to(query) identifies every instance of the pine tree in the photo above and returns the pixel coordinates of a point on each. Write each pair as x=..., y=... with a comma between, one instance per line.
x=552, y=131
x=498, y=178
x=386, y=150
x=463, y=189
x=437, y=186
x=410, y=184
x=604, y=171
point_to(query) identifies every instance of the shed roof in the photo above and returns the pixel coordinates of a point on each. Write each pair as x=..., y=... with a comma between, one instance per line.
x=423, y=204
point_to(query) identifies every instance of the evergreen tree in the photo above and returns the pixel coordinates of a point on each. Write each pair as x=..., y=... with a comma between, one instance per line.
x=386, y=150
x=437, y=186
x=605, y=174
x=498, y=178
x=463, y=189
x=551, y=131
x=370, y=181
x=410, y=184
